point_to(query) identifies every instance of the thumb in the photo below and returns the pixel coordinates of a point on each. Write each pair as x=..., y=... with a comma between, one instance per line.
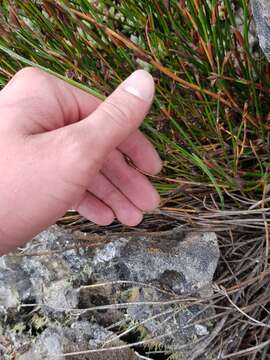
x=118, y=116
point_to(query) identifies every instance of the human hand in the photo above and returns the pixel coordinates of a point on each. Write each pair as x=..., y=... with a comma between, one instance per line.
x=62, y=148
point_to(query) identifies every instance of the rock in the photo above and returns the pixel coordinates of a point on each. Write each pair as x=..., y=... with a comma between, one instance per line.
x=183, y=265
x=9, y=298
x=44, y=278
x=43, y=288
x=81, y=335
x=261, y=14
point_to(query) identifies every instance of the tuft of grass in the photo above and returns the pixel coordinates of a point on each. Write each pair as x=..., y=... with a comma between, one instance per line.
x=210, y=118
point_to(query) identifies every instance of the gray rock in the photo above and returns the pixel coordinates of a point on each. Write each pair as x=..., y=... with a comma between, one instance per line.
x=184, y=264
x=261, y=13
x=81, y=335
x=41, y=292
x=46, y=278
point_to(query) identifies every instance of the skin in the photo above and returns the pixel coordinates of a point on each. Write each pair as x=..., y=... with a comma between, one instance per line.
x=62, y=148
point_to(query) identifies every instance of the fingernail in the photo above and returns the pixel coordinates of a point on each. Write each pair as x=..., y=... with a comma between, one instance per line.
x=140, y=84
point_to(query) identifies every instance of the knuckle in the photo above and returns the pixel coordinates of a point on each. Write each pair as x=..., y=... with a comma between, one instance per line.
x=119, y=113
x=26, y=75
x=29, y=72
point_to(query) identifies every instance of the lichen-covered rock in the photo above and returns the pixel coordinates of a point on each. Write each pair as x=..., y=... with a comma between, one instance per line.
x=49, y=306
x=183, y=264
x=47, y=276
x=80, y=335
x=261, y=13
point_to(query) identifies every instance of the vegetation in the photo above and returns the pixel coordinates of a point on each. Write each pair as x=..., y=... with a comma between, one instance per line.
x=210, y=117
x=210, y=122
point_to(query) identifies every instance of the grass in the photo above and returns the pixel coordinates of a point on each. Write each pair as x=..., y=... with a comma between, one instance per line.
x=210, y=119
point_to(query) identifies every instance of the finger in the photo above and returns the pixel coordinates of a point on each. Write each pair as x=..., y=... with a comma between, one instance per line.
x=143, y=154
x=82, y=147
x=124, y=210
x=135, y=186
x=46, y=103
x=118, y=116
x=56, y=103
x=95, y=210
